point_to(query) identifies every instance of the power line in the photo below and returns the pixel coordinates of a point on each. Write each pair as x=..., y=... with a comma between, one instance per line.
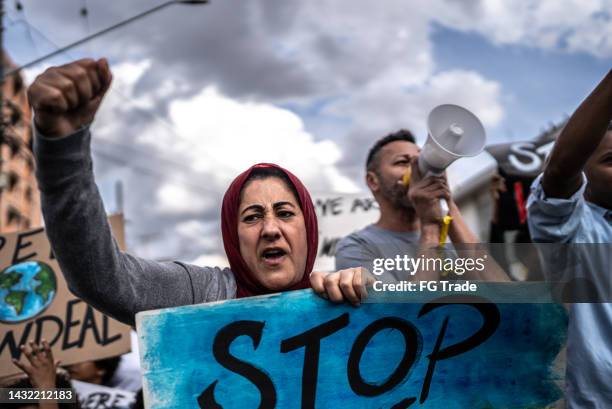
x=103, y=31
x=20, y=10
x=160, y=120
x=113, y=157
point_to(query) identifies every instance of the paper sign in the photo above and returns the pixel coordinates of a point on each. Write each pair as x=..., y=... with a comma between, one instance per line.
x=339, y=215
x=92, y=396
x=35, y=303
x=297, y=350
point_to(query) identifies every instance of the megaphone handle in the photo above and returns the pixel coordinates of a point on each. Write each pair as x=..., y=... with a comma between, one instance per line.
x=446, y=221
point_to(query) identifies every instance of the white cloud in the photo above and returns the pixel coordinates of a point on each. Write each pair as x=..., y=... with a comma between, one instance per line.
x=223, y=137
x=380, y=110
x=566, y=25
x=200, y=101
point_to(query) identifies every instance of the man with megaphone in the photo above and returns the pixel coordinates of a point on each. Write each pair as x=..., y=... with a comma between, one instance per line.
x=417, y=212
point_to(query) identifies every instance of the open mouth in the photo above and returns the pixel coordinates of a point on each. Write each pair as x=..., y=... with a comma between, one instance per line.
x=273, y=254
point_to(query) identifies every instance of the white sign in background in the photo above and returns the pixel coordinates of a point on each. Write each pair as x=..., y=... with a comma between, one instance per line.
x=338, y=216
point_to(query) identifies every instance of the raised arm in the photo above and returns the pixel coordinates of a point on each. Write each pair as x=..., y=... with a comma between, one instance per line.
x=577, y=142
x=65, y=100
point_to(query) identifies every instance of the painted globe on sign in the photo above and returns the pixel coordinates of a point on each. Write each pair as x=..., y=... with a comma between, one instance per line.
x=26, y=289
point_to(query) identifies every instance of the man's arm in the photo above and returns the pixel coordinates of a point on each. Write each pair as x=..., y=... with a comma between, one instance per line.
x=577, y=142
x=467, y=245
x=459, y=232
x=425, y=194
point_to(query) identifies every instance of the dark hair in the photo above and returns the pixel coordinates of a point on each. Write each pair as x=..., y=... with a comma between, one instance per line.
x=401, y=135
x=261, y=173
x=109, y=365
x=610, y=126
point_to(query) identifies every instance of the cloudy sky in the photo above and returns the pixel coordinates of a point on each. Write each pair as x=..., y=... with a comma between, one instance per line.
x=202, y=92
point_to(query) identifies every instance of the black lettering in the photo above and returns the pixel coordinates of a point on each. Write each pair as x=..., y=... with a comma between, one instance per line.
x=207, y=400
x=412, y=351
x=117, y=401
x=40, y=325
x=328, y=247
x=311, y=340
x=331, y=206
x=97, y=400
x=2, y=242
x=104, y=397
x=365, y=204
x=9, y=339
x=89, y=322
x=69, y=324
x=105, y=338
x=17, y=257
x=490, y=317
x=221, y=352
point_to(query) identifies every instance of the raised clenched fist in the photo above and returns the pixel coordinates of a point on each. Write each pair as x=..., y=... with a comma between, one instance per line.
x=66, y=98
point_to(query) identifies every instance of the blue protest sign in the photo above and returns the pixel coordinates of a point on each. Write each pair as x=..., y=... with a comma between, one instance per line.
x=296, y=350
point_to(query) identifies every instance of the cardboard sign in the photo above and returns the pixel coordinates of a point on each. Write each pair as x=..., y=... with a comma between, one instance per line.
x=35, y=303
x=92, y=396
x=296, y=349
x=338, y=216
x=520, y=163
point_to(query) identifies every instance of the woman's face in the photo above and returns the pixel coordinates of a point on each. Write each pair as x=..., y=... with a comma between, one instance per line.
x=272, y=233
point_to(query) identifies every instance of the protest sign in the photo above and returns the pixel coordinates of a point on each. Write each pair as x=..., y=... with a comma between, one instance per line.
x=296, y=349
x=519, y=163
x=338, y=216
x=92, y=396
x=35, y=303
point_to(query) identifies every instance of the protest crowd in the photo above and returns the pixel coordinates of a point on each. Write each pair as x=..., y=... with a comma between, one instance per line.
x=270, y=235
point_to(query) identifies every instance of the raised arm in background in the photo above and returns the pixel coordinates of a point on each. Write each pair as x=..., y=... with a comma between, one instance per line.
x=580, y=137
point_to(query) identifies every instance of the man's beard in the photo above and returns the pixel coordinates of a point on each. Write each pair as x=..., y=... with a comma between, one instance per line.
x=397, y=194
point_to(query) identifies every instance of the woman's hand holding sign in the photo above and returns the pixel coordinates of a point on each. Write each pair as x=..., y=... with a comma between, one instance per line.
x=67, y=98
x=350, y=285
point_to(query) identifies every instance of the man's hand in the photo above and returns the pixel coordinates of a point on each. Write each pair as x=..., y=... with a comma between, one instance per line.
x=40, y=368
x=425, y=194
x=350, y=285
x=66, y=98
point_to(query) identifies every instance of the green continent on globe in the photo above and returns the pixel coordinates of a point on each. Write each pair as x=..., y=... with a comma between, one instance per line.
x=7, y=281
x=16, y=298
x=47, y=282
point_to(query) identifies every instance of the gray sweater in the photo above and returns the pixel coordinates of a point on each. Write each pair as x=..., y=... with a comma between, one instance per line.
x=113, y=282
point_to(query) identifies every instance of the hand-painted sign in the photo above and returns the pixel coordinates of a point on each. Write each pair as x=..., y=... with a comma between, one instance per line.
x=519, y=163
x=92, y=396
x=296, y=350
x=338, y=216
x=35, y=303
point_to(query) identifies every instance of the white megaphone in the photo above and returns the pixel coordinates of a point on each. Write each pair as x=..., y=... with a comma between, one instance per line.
x=454, y=132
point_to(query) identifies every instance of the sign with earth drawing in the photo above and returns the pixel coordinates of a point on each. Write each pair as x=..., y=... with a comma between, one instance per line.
x=35, y=304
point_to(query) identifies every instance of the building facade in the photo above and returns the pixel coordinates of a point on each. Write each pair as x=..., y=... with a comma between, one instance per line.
x=19, y=198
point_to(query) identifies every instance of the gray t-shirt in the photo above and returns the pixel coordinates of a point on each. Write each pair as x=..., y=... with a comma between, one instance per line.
x=116, y=283
x=361, y=248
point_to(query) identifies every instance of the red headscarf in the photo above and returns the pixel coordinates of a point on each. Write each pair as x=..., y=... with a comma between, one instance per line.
x=246, y=283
